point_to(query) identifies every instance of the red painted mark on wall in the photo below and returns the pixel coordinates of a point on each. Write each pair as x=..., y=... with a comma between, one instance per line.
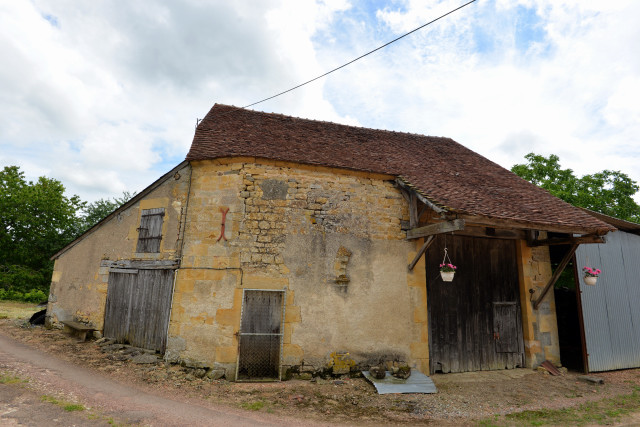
x=224, y=219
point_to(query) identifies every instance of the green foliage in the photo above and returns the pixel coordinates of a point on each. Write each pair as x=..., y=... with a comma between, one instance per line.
x=34, y=295
x=607, y=192
x=36, y=220
x=94, y=212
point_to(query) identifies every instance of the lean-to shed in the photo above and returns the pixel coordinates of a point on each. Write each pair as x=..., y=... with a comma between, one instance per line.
x=610, y=310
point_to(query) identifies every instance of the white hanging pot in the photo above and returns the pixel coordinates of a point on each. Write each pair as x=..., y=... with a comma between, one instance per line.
x=447, y=276
x=590, y=280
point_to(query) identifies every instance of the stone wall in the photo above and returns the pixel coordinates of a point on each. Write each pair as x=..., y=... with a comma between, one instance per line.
x=330, y=238
x=540, y=327
x=79, y=285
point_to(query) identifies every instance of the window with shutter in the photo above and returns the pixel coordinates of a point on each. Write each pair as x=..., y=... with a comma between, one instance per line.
x=150, y=230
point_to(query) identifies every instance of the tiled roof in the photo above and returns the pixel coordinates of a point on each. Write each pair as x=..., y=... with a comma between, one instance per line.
x=442, y=170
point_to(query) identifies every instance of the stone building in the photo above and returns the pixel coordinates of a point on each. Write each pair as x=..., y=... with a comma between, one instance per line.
x=290, y=244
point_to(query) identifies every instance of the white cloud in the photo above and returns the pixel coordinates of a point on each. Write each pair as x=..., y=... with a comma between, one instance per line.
x=104, y=95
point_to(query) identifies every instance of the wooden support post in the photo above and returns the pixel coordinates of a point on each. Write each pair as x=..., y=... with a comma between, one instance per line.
x=422, y=250
x=413, y=210
x=556, y=275
x=439, y=228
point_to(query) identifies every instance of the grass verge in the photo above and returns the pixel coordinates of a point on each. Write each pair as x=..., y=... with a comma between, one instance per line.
x=605, y=411
x=17, y=310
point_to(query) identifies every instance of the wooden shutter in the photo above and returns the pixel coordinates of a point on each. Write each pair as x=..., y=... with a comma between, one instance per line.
x=150, y=230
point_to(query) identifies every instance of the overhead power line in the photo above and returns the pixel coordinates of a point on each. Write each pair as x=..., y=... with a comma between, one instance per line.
x=361, y=56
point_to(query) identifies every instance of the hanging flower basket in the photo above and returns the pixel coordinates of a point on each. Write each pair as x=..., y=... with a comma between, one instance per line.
x=591, y=275
x=447, y=271
x=447, y=276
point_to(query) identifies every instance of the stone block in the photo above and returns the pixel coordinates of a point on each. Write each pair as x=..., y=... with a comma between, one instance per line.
x=419, y=350
x=292, y=354
x=292, y=314
x=226, y=354
x=228, y=316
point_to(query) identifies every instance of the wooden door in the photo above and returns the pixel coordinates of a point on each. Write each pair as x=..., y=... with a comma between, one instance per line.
x=474, y=321
x=138, y=307
x=260, y=337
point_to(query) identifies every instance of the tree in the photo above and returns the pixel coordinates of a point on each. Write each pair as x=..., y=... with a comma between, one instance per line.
x=607, y=192
x=36, y=220
x=94, y=212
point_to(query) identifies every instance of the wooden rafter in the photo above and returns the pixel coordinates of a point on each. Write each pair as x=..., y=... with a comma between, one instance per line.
x=403, y=185
x=556, y=275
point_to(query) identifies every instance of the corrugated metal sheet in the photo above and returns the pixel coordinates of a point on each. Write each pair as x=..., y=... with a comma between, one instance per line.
x=611, y=308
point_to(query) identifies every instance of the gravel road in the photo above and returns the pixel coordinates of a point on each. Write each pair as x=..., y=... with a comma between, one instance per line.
x=122, y=402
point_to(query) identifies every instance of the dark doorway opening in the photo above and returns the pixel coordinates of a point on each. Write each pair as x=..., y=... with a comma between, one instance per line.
x=568, y=313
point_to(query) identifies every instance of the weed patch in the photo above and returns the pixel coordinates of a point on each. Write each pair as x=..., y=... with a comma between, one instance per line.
x=253, y=406
x=67, y=406
x=605, y=411
x=10, y=379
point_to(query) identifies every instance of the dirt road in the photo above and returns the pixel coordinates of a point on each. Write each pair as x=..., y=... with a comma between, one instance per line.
x=124, y=403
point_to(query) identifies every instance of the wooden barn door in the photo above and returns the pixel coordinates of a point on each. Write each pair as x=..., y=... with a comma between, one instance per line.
x=260, y=337
x=138, y=307
x=474, y=321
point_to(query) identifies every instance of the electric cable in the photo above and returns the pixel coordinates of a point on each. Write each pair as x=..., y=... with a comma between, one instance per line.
x=358, y=58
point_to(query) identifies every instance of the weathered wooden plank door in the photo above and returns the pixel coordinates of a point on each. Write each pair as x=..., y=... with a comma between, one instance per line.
x=474, y=321
x=138, y=307
x=260, y=337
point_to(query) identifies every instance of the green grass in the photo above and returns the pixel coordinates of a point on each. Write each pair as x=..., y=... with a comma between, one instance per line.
x=253, y=406
x=67, y=406
x=17, y=310
x=605, y=411
x=10, y=379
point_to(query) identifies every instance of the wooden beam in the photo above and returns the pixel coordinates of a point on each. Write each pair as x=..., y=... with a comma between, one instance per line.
x=439, y=228
x=556, y=275
x=567, y=241
x=491, y=233
x=402, y=184
x=141, y=264
x=422, y=250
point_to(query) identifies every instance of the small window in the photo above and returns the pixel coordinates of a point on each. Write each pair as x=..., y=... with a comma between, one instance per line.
x=150, y=230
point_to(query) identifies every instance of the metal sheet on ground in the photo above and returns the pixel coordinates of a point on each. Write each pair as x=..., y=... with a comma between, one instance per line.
x=416, y=383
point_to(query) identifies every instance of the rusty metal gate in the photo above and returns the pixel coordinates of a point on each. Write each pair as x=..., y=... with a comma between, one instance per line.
x=138, y=307
x=260, y=337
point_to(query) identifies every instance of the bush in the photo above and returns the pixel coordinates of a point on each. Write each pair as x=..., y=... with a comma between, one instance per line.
x=34, y=295
x=23, y=279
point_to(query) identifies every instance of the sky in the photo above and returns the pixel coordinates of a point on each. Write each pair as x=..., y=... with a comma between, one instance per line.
x=104, y=95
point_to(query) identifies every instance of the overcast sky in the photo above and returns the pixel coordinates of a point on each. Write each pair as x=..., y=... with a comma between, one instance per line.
x=104, y=95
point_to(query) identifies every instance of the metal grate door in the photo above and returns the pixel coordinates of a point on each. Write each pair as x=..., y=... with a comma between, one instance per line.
x=260, y=336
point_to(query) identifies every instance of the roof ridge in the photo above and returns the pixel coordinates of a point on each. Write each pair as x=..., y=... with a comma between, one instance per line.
x=273, y=114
